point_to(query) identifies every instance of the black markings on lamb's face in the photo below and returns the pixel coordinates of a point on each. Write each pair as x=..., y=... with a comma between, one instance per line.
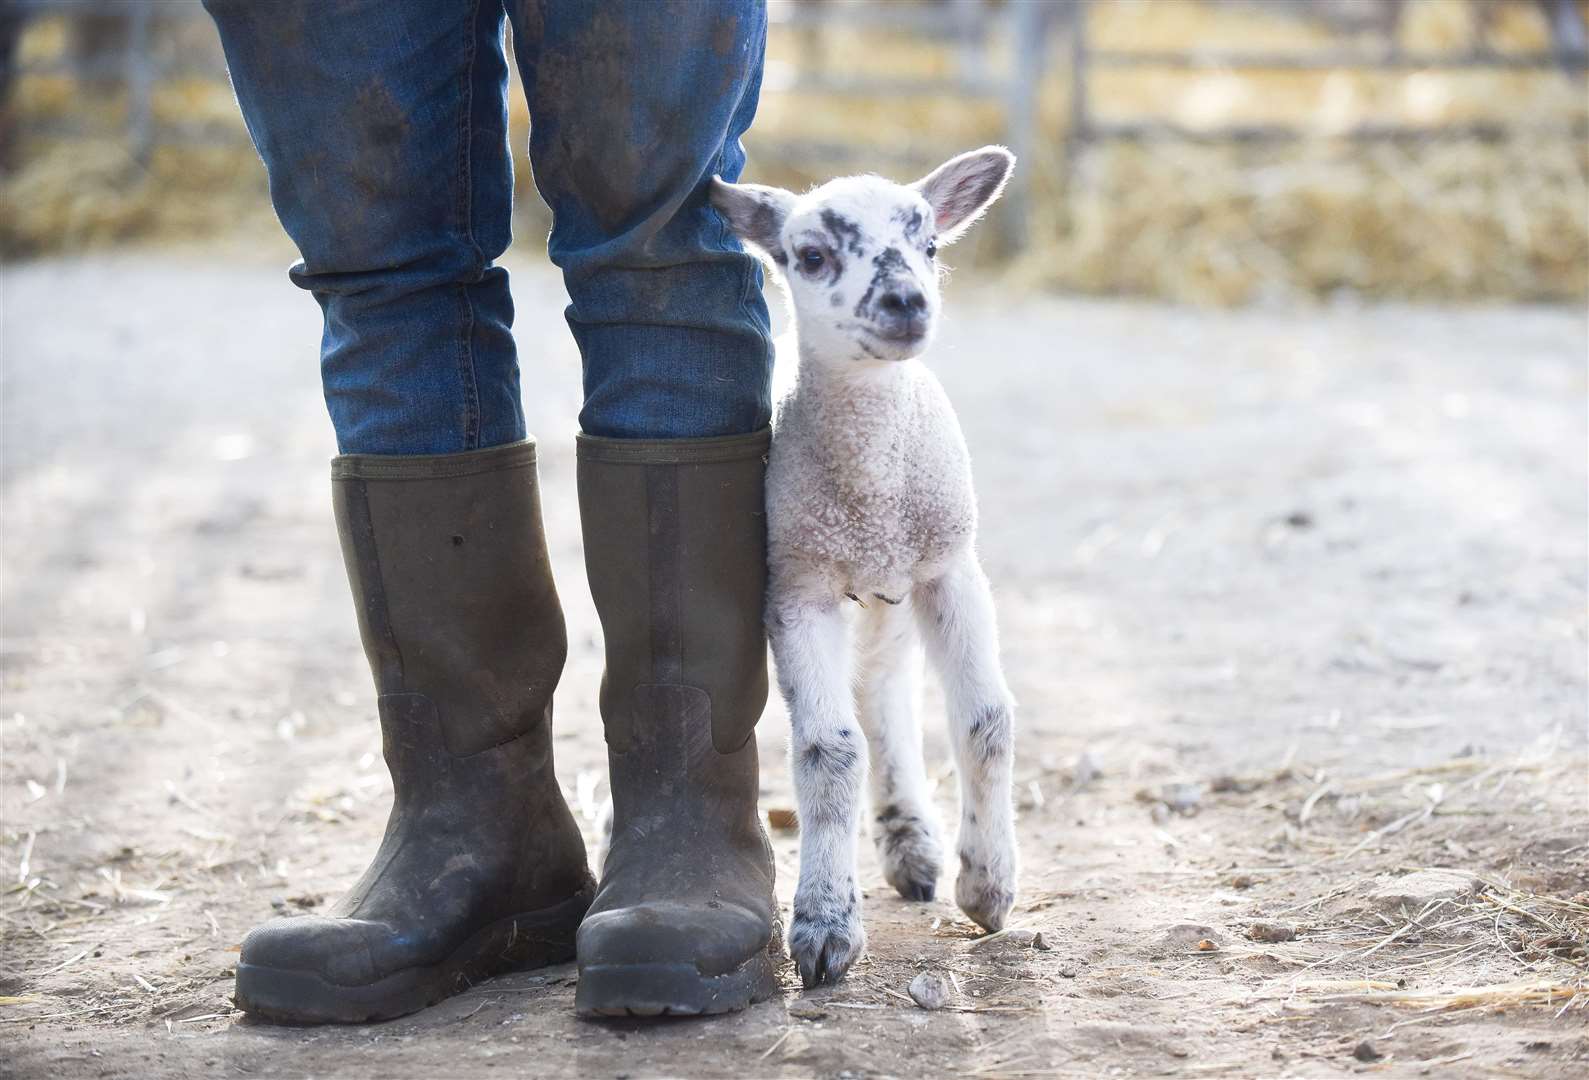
x=827, y=267
x=890, y=261
x=888, y=267
x=846, y=233
x=912, y=220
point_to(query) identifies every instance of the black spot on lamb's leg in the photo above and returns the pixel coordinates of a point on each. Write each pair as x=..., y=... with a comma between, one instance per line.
x=857, y=599
x=990, y=732
x=833, y=758
x=887, y=599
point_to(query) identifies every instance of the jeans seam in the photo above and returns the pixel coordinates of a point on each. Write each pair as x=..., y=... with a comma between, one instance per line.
x=466, y=359
x=751, y=265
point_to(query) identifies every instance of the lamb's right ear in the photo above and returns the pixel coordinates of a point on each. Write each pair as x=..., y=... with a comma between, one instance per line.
x=755, y=212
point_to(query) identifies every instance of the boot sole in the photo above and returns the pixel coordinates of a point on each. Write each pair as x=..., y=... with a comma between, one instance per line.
x=519, y=943
x=673, y=989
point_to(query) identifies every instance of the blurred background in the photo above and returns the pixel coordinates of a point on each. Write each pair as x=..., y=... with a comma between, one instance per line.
x=1215, y=152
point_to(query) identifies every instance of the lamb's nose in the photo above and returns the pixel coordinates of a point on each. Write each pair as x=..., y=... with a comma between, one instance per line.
x=903, y=302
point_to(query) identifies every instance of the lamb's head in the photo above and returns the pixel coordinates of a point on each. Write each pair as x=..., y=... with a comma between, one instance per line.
x=858, y=255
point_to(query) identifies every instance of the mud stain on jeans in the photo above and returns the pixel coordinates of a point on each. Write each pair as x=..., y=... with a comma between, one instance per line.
x=584, y=93
x=379, y=127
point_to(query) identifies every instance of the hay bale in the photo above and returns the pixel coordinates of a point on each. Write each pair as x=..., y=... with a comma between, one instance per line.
x=1221, y=225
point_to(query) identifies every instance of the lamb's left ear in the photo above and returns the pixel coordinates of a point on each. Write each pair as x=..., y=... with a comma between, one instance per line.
x=755, y=212
x=963, y=187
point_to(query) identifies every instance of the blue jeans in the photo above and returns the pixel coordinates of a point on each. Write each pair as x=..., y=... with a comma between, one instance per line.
x=383, y=128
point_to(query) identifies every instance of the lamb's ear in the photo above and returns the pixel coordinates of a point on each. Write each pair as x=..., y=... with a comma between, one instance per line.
x=756, y=213
x=963, y=187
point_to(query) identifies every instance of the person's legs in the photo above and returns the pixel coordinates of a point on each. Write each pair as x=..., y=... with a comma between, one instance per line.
x=633, y=107
x=382, y=126
x=635, y=104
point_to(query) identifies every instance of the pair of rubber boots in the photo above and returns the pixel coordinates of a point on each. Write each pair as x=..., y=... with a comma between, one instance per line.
x=482, y=869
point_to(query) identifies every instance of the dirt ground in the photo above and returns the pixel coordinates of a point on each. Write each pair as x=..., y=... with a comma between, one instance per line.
x=1293, y=602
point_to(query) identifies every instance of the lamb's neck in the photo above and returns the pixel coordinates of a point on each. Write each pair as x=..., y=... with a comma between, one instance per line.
x=823, y=378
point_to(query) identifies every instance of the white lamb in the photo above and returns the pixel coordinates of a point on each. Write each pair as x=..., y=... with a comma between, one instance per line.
x=871, y=509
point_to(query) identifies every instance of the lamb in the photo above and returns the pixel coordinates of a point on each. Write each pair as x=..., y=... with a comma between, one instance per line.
x=872, y=521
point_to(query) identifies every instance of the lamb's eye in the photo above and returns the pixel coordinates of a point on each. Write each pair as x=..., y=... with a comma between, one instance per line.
x=932, y=249
x=811, y=258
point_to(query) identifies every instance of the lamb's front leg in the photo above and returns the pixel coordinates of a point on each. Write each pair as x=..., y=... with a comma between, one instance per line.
x=905, y=827
x=812, y=654
x=957, y=620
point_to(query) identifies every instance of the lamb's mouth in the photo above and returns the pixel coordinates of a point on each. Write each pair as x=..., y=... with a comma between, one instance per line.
x=892, y=344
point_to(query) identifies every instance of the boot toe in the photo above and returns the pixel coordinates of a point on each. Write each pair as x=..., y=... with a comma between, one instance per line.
x=337, y=950
x=716, y=939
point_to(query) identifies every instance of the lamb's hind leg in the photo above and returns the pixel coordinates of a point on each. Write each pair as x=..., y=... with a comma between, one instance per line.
x=811, y=648
x=957, y=620
x=885, y=700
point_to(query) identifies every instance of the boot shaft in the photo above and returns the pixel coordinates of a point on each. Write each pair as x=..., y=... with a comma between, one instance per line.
x=453, y=588
x=676, y=553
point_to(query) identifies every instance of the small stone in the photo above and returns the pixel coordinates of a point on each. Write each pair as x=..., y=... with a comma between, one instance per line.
x=1183, y=937
x=1240, y=785
x=1040, y=943
x=1206, y=945
x=1271, y=932
x=1184, y=799
x=1160, y=813
x=1243, y=881
x=806, y=1010
x=1415, y=891
x=1085, y=771
x=1069, y=969
x=1366, y=1052
x=930, y=990
x=782, y=819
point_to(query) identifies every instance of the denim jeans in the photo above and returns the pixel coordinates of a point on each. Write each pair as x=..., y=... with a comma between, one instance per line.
x=384, y=130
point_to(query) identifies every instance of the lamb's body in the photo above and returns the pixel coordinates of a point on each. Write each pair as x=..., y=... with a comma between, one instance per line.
x=869, y=482
x=871, y=514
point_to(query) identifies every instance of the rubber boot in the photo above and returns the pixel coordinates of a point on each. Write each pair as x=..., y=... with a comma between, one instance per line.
x=482, y=869
x=685, y=921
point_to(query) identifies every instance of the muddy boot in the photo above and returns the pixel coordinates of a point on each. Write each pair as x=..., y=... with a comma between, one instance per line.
x=482, y=869
x=675, y=547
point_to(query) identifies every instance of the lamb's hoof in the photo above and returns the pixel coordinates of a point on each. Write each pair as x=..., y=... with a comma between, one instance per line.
x=985, y=896
x=824, y=946
x=911, y=857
